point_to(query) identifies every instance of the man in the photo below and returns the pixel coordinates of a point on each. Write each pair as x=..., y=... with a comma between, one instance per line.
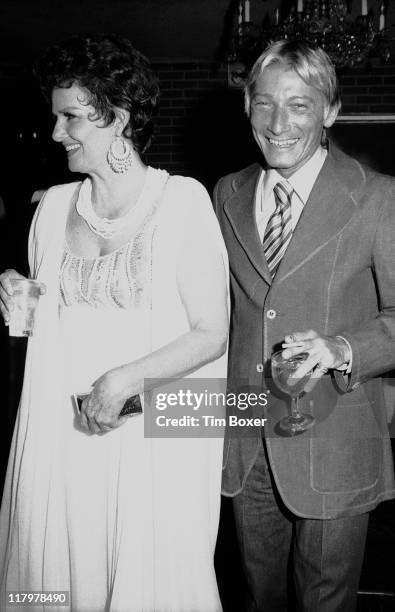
x=312, y=251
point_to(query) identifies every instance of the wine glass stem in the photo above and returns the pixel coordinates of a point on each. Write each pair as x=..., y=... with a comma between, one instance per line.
x=295, y=407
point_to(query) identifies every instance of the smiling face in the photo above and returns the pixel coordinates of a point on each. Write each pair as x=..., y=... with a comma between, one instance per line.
x=84, y=137
x=287, y=118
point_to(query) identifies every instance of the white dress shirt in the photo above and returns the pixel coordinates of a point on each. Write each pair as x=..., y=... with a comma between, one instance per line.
x=302, y=182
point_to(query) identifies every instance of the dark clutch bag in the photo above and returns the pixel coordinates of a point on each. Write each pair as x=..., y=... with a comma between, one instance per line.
x=131, y=407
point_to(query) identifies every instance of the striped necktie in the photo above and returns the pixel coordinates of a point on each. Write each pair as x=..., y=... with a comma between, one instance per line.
x=279, y=227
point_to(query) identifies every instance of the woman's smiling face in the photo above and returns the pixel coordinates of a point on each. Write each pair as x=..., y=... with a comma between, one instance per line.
x=85, y=137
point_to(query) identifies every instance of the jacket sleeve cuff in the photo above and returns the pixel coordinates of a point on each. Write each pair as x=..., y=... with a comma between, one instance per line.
x=346, y=367
x=348, y=379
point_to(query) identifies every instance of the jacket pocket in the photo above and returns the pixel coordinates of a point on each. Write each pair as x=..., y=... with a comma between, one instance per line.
x=345, y=451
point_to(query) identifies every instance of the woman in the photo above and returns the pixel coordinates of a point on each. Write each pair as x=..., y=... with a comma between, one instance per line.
x=134, y=272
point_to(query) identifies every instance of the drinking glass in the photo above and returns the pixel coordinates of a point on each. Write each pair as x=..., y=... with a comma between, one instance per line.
x=26, y=293
x=282, y=369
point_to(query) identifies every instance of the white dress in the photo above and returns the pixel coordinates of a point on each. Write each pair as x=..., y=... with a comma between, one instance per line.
x=123, y=522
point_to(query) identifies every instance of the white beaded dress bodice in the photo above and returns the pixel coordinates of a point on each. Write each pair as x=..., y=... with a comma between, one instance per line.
x=119, y=278
x=116, y=279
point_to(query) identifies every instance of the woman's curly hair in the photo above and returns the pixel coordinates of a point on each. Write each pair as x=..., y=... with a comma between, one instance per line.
x=113, y=72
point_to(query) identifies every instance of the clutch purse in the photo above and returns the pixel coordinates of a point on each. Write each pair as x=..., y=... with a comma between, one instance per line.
x=131, y=407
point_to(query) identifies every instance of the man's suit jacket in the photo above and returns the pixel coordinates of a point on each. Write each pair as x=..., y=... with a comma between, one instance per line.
x=337, y=277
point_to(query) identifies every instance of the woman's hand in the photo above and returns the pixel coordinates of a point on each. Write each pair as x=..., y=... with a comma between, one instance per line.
x=6, y=301
x=100, y=410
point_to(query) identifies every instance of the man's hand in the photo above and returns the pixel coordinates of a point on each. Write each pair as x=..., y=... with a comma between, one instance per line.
x=324, y=353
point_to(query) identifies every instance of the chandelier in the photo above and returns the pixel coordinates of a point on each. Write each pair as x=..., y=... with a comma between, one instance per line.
x=326, y=23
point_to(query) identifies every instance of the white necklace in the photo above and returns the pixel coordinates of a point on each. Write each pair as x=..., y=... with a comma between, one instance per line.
x=101, y=226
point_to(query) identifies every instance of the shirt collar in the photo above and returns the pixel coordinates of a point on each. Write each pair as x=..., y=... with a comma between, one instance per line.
x=303, y=179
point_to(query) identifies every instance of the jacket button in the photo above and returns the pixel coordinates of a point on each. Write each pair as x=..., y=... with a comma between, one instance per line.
x=259, y=367
x=271, y=314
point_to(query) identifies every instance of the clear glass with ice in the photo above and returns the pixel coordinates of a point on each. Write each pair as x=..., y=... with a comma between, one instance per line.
x=25, y=297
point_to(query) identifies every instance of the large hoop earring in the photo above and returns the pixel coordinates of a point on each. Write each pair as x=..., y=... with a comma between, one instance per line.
x=119, y=155
x=324, y=139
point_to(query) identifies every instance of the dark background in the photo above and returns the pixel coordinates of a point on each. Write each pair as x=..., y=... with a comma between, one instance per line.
x=201, y=131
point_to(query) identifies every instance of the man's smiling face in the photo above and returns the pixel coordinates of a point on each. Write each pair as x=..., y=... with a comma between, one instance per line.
x=287, y=117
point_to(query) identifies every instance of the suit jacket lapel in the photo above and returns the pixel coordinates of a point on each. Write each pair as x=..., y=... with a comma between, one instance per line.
x=240, y=210
x=327, y=211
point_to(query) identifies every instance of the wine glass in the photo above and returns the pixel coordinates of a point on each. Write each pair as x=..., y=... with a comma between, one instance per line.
x=282, y=369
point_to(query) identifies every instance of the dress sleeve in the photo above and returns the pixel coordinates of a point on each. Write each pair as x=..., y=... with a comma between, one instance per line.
x=48, y=222
x=33, y=242
x=199, y=232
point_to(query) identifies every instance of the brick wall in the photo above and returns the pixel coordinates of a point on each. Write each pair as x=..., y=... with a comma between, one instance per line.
x=201, y=124
x=370, y=91
x=185, y=87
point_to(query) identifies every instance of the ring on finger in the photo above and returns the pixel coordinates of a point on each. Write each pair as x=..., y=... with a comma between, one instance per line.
x=321, y=368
